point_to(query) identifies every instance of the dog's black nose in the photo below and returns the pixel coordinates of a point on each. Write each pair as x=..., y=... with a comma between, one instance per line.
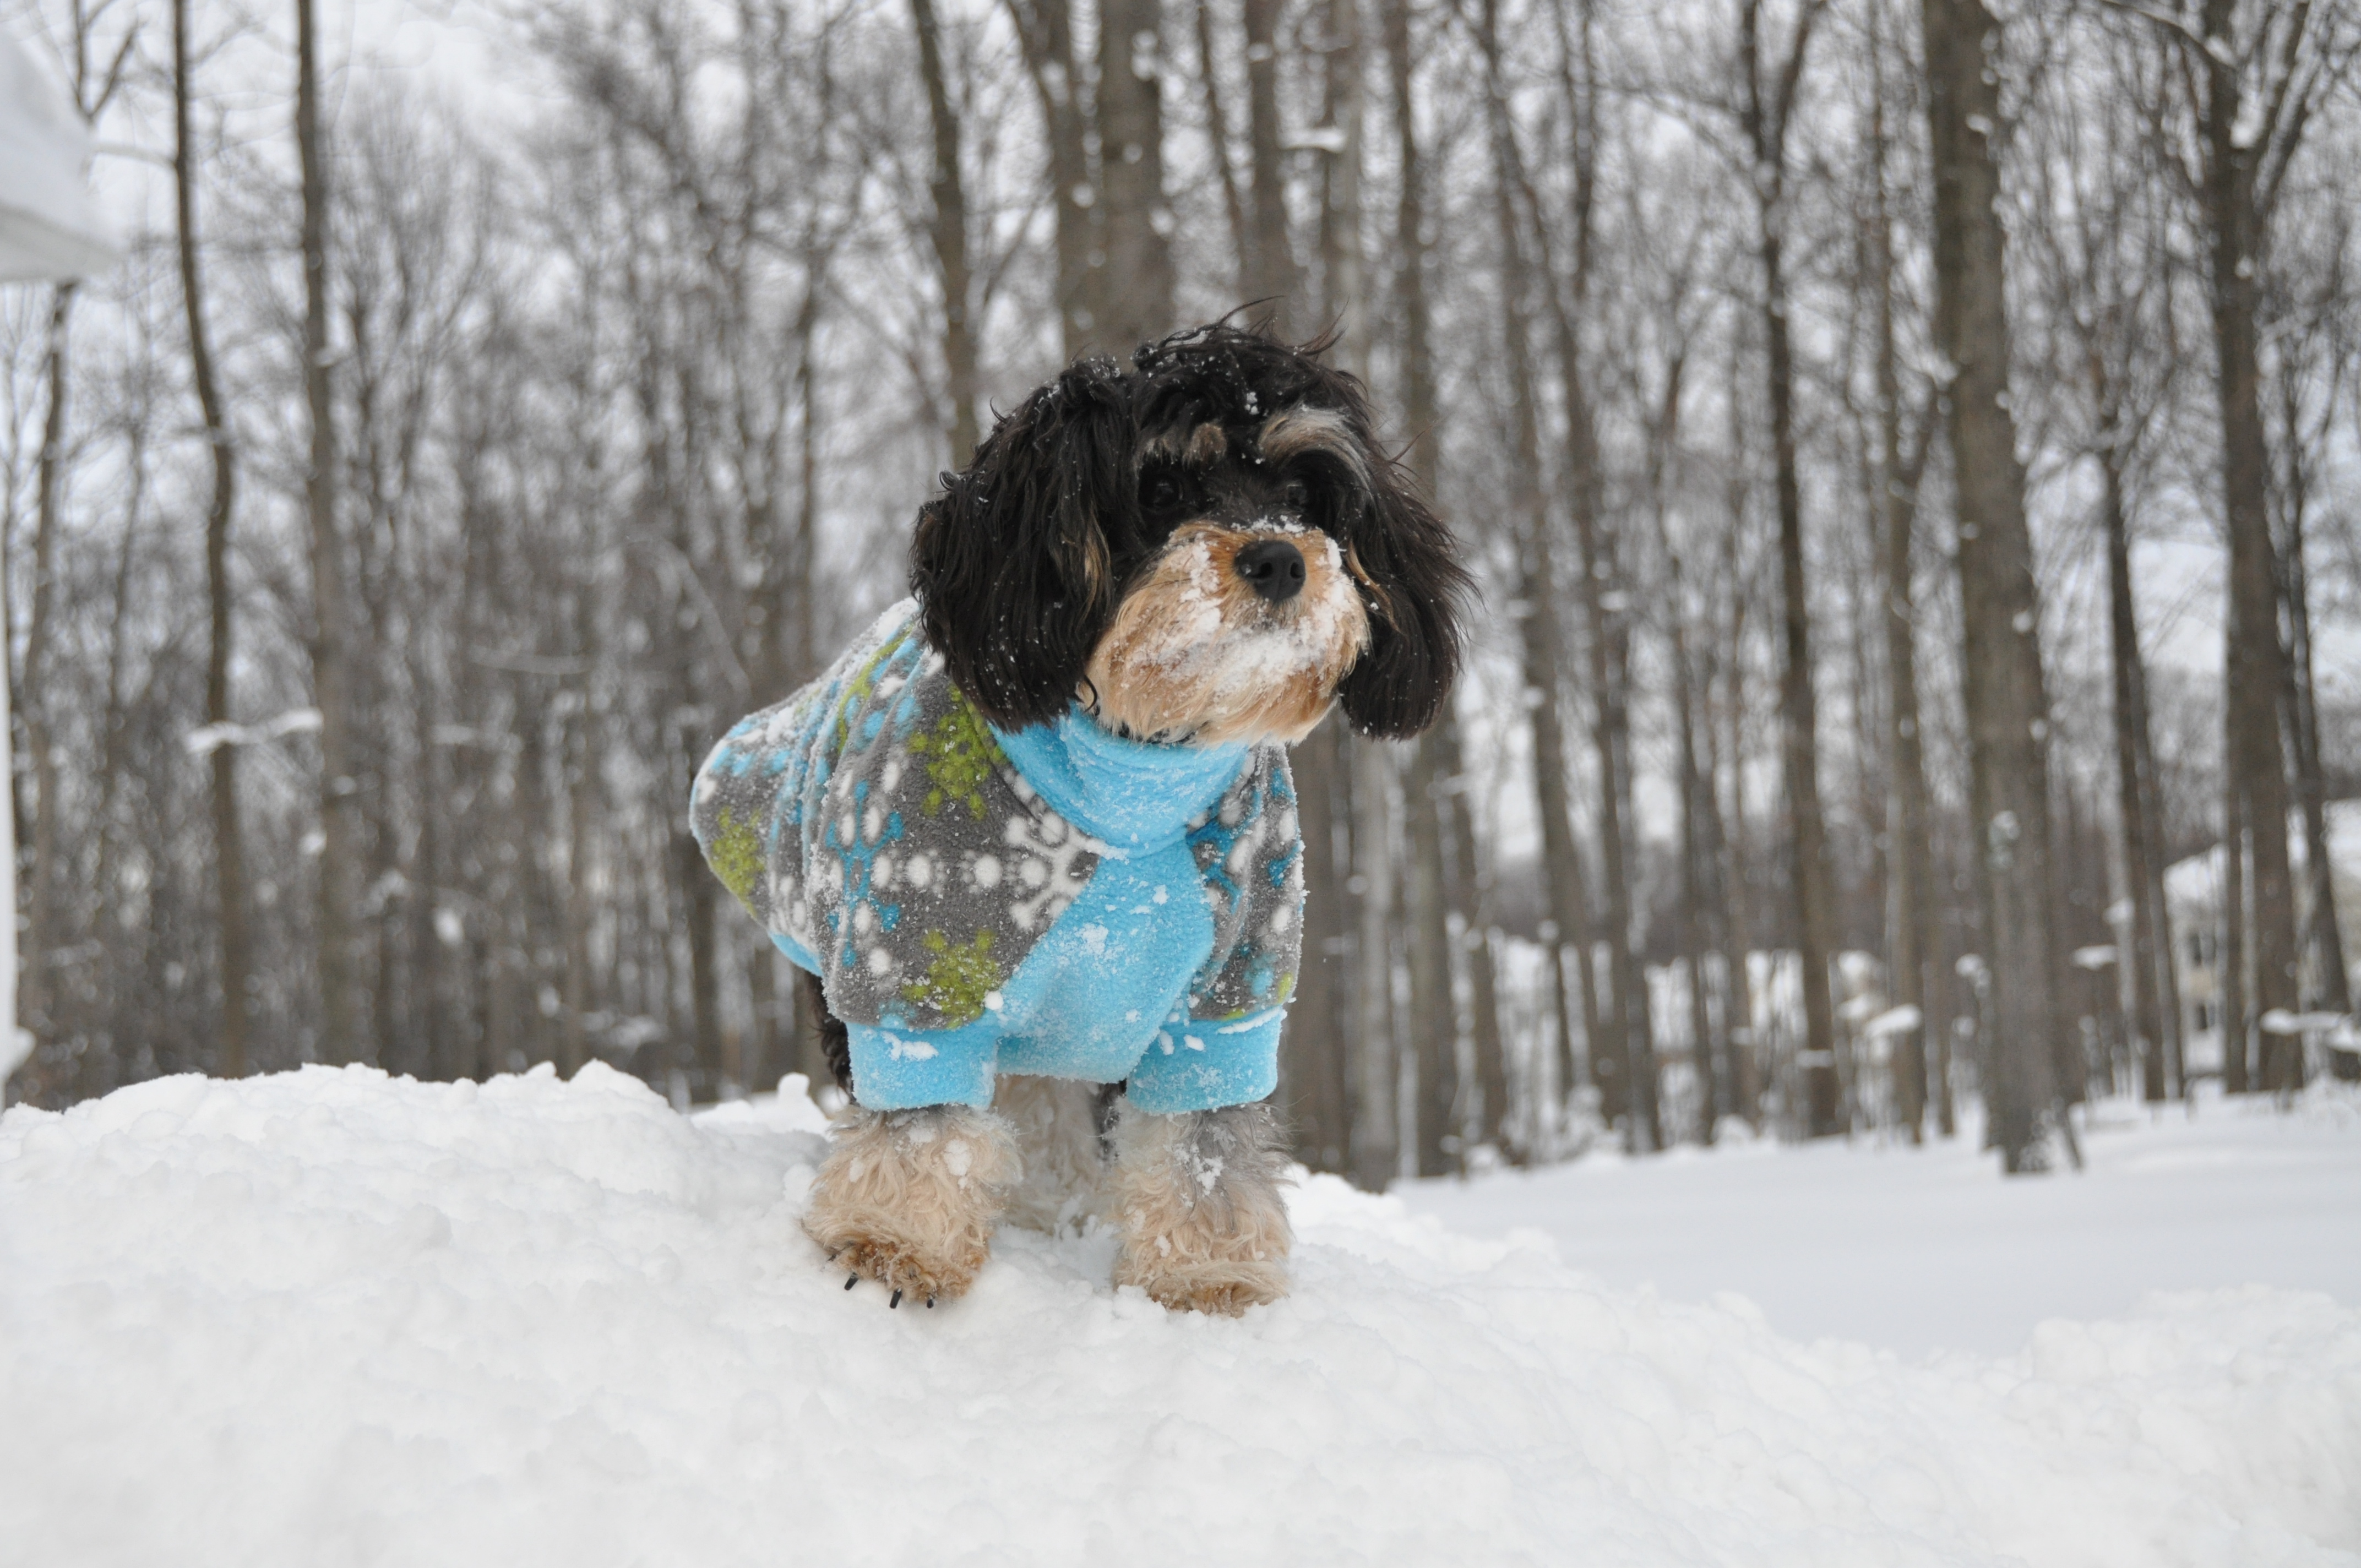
x=1273, y=567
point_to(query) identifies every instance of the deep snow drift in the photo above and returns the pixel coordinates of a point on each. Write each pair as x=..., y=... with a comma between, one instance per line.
x=327, y=1318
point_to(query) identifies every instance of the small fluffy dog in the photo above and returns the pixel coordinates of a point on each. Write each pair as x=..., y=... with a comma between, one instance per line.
x=1033, y=836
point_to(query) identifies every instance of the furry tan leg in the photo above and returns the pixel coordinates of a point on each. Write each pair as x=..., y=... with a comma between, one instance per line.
x=1197, y=1196
x=909, y=1198
x=1057, y=1127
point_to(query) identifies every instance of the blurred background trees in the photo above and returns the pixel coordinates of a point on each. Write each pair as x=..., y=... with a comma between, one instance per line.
x=1883, y=433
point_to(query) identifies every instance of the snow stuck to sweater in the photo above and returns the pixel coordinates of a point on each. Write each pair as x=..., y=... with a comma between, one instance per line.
x=329, y=1318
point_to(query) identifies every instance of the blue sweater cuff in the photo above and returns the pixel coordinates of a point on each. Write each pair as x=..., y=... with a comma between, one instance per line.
x=1206, y=1064
x=902, y=1070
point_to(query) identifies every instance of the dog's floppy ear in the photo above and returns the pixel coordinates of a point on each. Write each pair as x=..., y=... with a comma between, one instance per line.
x=1412, y=584
x=1011, y=564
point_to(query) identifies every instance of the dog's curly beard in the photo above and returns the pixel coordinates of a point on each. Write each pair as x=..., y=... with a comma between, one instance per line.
x=1194, y=653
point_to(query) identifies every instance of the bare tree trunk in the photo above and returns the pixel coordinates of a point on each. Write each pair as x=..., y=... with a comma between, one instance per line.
x=1217, y=132
x=1323, y=1059
x=1471, y=901
x=807, y=1054
x=704, y=968
x=1344, y=297
x=1319, y=1047
x=1567, y=894
x=1566, y=897
x=950, y=235
x=2135, y=789
x=1270, y=263
x=35, y=996
x=2231, y=971
x=1717, y=936
x=1799, y=745
x=1434, y=1017
x=2168, y=974
x=1138, y=280
x=1376, y=1108
x=1736, y=930
x=1765, y=122
x=1701, y=907
x=1699, y=853
x=527, y=894
x=1910, y=875
x=691, y=741
x=2325, y=941
x=229, y=851
x=96, y=1073
x=1319, y=1056
x=369, y=692
x=1730, y=832
x=1045, y=31
x=2322, y=940
x=369, y=684
x=1629, y=1036
x=2007, y=720
x=581, y=770
x=340, y=1036
x=1379, y=1137
x=1435, y=1035
x=1629, y=1031
x=429, y=1044
x=2253, y=745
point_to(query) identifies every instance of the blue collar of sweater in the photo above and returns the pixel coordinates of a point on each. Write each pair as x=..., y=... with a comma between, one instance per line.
x=1133, y=795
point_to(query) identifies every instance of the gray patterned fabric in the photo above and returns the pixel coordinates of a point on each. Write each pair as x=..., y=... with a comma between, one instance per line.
x=1069, y=899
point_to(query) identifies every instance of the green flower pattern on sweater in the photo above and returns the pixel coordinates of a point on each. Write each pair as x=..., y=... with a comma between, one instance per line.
x=736, y=857
x=961, y=755
x=959, y=982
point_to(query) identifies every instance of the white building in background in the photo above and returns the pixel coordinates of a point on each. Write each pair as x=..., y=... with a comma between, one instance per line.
x=48, y=229
x=2193, y=894
x=49, y=225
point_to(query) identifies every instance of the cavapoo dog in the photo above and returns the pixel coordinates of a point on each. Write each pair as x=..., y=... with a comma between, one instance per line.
x=1033, y=834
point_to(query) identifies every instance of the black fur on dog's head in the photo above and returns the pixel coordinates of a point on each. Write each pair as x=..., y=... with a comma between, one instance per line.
x=1094, y=549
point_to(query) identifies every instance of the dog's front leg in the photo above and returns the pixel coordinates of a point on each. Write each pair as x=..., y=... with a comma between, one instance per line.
x=909, y=1198
x=1197, y=1196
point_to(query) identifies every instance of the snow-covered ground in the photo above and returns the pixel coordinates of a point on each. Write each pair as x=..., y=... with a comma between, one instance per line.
x=326, y=1319
x=1914, y=1250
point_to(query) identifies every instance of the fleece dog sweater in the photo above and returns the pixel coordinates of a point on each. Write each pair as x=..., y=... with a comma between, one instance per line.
x=1056, y=900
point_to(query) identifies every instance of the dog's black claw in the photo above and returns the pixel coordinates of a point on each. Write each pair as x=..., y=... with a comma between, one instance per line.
x=896, y=1300
x=930, y=1303
x=851, y=1280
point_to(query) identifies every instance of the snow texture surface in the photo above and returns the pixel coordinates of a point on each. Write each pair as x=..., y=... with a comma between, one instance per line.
x=331, y=1318
x=1921, y=1250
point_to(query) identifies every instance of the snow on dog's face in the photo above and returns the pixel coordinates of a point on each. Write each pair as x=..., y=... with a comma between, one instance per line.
x=1241, y=624
x=1206, y=548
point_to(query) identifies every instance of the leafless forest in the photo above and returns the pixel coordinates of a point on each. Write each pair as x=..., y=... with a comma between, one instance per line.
x=1883, y=431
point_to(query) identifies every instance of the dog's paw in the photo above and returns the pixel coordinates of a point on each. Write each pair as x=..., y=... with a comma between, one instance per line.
x=1197, y=1195
x=1225, y=1286
x=909, y=1198
x=905, y=1271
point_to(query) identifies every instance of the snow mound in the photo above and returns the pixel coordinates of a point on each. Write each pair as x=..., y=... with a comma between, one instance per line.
x=332, y=1318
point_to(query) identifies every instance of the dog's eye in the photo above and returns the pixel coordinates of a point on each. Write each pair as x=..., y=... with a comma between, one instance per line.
x=1159, y=489
x=1295, y=495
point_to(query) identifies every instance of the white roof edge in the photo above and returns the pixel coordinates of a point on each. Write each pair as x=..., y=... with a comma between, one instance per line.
x=49, y=227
